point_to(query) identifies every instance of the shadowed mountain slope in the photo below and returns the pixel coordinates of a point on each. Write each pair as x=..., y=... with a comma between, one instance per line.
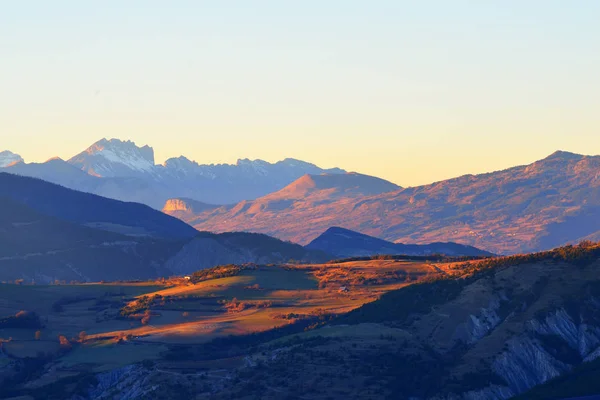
x=342, y=242
x=49, y=233
x=42, y=248
x=208, y=250
x=91, y=210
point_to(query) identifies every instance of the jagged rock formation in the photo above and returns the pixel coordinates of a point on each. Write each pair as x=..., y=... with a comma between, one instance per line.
x=8, y=159
x=125, y=171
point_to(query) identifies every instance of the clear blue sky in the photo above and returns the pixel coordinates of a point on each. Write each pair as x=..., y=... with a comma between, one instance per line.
x=410, y=91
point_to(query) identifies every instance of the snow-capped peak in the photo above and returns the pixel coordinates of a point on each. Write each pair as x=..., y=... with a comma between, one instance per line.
x=125, y=152
x=258, y=166
x=8, y=158
x=114, y=158
x=180, y=163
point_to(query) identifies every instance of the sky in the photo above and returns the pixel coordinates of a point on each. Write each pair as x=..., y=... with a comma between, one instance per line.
x=410, y=91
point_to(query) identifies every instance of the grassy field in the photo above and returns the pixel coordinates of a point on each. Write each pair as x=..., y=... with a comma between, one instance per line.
x=108, y=325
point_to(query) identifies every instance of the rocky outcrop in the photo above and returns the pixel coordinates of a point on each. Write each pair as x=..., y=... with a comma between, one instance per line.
x=480, y=324
x=127, y=383
x=526, y=364
x=581, y=337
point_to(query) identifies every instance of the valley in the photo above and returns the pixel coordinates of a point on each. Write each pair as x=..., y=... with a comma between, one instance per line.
x=106, y=326
x=397, y=327
x=280, y=200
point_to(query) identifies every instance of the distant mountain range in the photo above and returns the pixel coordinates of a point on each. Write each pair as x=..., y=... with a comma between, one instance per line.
x=48, y=233
x=124, y=171
x=342, y=242
x=539, y=206
x=546, y=204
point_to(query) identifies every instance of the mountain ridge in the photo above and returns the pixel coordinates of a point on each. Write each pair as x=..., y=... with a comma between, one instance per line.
x=533, y=207
x=51, y=233
x=119, y=164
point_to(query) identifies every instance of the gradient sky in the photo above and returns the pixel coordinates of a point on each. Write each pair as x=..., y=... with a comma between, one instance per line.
x=413, y=92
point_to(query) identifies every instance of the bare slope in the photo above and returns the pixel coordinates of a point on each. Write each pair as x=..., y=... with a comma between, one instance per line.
x=92, y=210
x=42, y=248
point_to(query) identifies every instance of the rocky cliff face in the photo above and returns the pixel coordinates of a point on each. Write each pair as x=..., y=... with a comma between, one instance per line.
x=525, y=339
x=528, y=360
x=185, y=208
x=127, y=383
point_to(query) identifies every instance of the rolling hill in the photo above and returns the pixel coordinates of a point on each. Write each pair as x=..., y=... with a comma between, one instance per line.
x=41, y=248
x=342, y=242
x=533, y=207
x=433, y=329
x=208, y=250
x=49, y=233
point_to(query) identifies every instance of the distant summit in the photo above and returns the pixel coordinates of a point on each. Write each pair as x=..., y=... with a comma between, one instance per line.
x=564, y=155
x=8, y=158
x=346, y=243
x=308, y=195
x=341, y=184
x=110, y=158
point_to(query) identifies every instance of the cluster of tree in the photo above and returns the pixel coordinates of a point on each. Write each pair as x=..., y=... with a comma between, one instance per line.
x=431, y=258
x=58, y=305
x=141, y=305
x=582, y=254
x=289, y=316
x=220, y=271
x=234, y=305
x=21, y=320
